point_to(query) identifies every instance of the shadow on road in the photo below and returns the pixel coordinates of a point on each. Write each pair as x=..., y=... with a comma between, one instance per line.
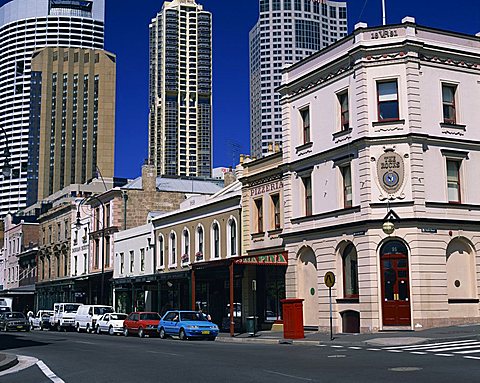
x=11, y=341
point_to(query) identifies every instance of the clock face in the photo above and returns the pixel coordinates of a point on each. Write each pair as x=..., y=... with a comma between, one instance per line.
x=391, y=179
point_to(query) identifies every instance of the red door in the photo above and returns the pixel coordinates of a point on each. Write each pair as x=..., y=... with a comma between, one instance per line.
x=395, y=289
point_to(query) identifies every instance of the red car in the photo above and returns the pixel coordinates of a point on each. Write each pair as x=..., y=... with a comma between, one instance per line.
x=141, y=323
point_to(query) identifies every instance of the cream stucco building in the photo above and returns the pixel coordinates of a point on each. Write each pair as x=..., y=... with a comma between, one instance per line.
x=382, y=126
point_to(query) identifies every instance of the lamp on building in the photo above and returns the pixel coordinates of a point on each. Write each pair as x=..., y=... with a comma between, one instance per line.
x=6, y=167
x=388, y=225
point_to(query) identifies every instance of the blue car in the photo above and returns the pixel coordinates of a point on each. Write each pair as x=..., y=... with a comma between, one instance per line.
x=187, y=325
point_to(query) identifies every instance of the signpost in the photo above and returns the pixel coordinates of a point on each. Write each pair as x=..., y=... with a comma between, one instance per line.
x=329, y=280
x=254, y=290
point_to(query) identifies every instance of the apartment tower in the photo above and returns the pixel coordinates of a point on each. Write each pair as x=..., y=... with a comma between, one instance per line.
x=26, y=26
x=180, y=120
x=286, y=32
x=72, y=122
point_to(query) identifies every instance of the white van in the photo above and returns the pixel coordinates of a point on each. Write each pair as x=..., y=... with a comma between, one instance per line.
x=87, y=316
x=64, y=315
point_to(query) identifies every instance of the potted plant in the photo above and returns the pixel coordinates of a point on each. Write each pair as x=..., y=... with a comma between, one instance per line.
x=199, y=256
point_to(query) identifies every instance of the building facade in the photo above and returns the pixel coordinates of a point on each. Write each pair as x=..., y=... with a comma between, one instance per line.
x=25, y=26
x=180, y=102
x=380, y=155
x=286, y=32
x=73, y=134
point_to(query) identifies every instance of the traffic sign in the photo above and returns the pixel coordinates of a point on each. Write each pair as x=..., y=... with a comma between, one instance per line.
x=329, y=279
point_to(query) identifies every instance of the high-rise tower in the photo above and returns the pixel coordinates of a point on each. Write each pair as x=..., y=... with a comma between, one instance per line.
x=180, y=121
x=286, y=32
x=25, y=26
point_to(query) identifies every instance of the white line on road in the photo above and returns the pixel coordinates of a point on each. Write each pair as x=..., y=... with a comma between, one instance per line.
x=373, y=349
x=444, y=354
x=395, y=350
x=48, y=373
x=466, y=347
x=82, y=342
x=289, y=376
x=355, y=348
x=163, y=353
x=467, y=352
x=472, y=357
x=431, y=345
x=337, y=346
x=418, y=353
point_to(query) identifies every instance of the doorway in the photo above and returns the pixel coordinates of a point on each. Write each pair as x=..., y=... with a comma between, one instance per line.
x=395, y=284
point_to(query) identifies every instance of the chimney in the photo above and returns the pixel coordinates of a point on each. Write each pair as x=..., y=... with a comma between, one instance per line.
x=229, y=178
x=149, y=178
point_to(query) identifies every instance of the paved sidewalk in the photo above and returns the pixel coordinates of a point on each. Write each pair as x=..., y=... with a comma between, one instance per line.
x=7, y=361
x=384, y=338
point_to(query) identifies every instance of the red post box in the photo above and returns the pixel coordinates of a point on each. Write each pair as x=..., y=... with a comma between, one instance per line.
x=293, y=318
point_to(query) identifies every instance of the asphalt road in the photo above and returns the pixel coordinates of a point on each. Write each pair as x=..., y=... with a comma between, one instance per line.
x=77, y=358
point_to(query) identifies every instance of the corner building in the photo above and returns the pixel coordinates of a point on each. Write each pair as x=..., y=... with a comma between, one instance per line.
x=25, y=26
x=286, y=32
x=180, y=102
x=381, y=153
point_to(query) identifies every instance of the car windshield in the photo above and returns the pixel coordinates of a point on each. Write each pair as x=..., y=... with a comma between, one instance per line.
x=47, y=315
x=14, y=316
x=71, y=308
x=4, y=309
x=103, y=310
x=192, y=316
x=149, y=316
x=118, y=316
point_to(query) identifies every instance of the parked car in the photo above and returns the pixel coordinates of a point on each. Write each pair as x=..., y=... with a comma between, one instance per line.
x=187, y=324
x=14, y=321
x=35, y=321
x=111, y=323
x=5, y=309
x=87, y=316
x=46, y=321
x=63, y=316
x=141, y=323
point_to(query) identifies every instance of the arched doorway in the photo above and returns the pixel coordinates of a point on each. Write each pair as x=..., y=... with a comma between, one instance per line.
x=307, y=286
x=461, y=282
x=395, y=284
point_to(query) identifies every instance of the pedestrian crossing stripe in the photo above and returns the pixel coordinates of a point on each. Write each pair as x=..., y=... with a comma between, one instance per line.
x=430, y=345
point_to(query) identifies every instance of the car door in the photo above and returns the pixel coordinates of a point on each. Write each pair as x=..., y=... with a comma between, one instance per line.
x=101, y=322
x=134, y=323
x=167, y=319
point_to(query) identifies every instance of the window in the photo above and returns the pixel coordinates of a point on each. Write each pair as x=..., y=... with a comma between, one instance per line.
x=161, y=251
x=298, y=5
x=276, y=211
x=97, y=252
x=215, y=240
x=122, y=263
x=307, y=186
x=142, y=259
x=85, y=264
x=347, y=185
x=173, y=249
x=350, y=271
x=275, y=5
x=75, y=237
x=232, y=230
x=453, y=180
x=75, y=265
x=132, y=261
x=305, y=116
x=287, y=5
x=448, y=101
x=387, y=100
x=107, y=252
x=344, y=113
x=200, y=240
x=186, y=246
x=259, y=213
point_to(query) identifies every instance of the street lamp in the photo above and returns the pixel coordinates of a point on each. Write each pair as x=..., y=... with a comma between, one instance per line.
x=6, y=167
x=78, y=225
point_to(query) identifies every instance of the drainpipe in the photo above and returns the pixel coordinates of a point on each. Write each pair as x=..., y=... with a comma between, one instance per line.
x=125, y=199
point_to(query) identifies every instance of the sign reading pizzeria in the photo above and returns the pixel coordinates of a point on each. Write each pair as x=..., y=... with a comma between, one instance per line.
x=391, y=172
x=272, y=186
x=279, y=259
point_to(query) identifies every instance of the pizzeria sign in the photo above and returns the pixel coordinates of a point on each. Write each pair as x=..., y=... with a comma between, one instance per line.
x=264, y=260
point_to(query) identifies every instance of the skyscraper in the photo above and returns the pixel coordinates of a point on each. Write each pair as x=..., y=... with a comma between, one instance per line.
x=72, y=119
x=180, y=120
x=286, y=32
x=25, y=26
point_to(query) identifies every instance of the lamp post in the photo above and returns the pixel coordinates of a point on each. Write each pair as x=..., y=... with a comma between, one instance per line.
x=6, y=167
x=78, y=224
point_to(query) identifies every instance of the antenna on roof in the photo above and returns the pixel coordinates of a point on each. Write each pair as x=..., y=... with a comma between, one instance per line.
x=384, y=17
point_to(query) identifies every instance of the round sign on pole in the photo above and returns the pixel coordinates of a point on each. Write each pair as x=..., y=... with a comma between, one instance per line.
x=329, y=279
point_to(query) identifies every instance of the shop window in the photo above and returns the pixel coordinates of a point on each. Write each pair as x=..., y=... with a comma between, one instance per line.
x=453, y=181
x=448, y=102
x=387, y=92
x=307, y=192
x=344, y=110
x=346, y=171
x=173, y=249
x=215, y=240
x=259, y=214
x=161, y=251
x=350, y=271
x=277, y=224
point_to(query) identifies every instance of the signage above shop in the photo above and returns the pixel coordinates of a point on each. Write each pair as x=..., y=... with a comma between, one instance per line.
x=279, y=259
x=273, y=186
x=391, y=172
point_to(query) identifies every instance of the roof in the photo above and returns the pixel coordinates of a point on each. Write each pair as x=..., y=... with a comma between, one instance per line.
x=183, y=185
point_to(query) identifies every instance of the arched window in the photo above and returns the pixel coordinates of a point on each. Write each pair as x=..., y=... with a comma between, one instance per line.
x=186, y=246
x=350, y=271
x=232, y=237
x=173, y=249
x=200, y=244
x=215, y=240
x=161, y=251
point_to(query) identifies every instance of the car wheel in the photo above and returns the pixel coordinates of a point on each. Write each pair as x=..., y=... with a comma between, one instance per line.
x=78, y=327
x=59, y=328
x=163, y=335
x=125, y=332
x=182, y=334
x=98, y=330
x=5, y=328
x=110, y=331
x=87, y=329
x=141, y=333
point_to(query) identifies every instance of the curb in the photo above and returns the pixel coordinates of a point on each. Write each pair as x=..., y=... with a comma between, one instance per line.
x=268, y=341
x=9, y=362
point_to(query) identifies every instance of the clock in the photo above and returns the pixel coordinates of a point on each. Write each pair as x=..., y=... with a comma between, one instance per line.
x=390, y=179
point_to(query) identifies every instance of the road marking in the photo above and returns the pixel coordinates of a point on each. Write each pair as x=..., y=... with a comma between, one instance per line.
x=418, y=353
x=444, y=355
x=467, y=352
x=336, y=346
x=472, y=357
x=355, y=348
x=395, y=350
x=48, y=373
x=455, y=348
x=163, y=353
x=431, y=345
x=289, y=376
x=78, y=341
x=374, y=349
